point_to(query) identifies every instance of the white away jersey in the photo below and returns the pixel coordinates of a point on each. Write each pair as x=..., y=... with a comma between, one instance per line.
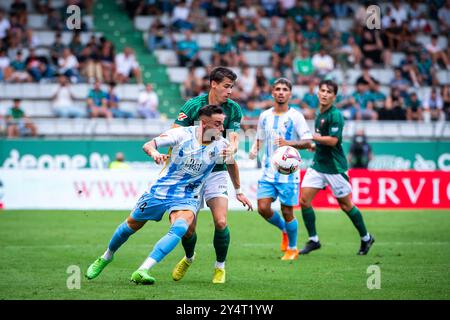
x=290, y=125
x=189, y=164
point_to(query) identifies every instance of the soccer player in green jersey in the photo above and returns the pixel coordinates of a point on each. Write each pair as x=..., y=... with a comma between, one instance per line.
x=329, y=168
x=215, y=193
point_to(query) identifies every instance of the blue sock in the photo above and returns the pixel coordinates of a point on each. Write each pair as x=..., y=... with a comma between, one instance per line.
x=291, y=229
x=123, y=232
x=170, y=240
x=277, y=221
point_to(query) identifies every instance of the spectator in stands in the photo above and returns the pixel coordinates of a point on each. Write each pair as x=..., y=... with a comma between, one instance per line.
x=89, y=59
x=223, y=52
x=68, y=65
x=360, y=153
x=261, y=81
x=345, y=102
x=180, y=15
x=248, y=9
x=398, y=12
x=270, y=7
x=414, y=108
x=127, y=66
x=257, y=34
x=75, y=45
x=159, y=36
x=19, y=9
x=341, y=9
x=311, y=36
x=188, y=51
x=97, y=104
x=281, y=54
x=417, y=19
x=438, y=55
x=57, y=48
x=409, y=70
x=366, y=78
x=54, y=20
x=444, y=18
x=106, y=58
x=192, y=84
x=274, y=31
x=377, y=96
x=426, y=72
x=5, y=69
x=310, y=102
x=372, y=48
x=394, y=107
x=63, y=101
x=119, y=162
x=18, y=124
x=392, y=34
x=113, y=103
x=445, y=94
x=303, y=68
x=349, y=54
x=199, y=18
x=4, y=25
x=38, y=67
x=247, y=81
x=323, y=63
x=19, y=71
x=433, y=106
x=364, y=106
x=399, y=82
x=148, y=102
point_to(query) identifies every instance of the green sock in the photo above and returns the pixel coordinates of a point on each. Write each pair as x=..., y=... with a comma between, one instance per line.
x=358, y=221
x=310, y=221
x=189, y=245
x=221, y=243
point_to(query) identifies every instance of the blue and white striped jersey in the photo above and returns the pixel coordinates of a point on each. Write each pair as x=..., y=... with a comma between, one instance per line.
x=190, y=163
x=290, y=125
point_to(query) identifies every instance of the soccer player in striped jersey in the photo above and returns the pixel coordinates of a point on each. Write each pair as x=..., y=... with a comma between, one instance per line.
x=221, y=81
x=329, y=168
x=196, y=150
x=281, y=126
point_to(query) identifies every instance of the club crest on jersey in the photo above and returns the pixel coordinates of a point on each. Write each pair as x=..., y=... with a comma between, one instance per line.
x=182, y=116
x=212, y=154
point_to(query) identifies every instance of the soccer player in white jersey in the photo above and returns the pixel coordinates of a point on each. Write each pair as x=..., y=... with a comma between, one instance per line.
x=196, y=150
x=281, y=126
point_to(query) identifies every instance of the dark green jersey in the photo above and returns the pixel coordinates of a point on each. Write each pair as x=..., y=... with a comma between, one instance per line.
x=327, y=159
x=189, y=114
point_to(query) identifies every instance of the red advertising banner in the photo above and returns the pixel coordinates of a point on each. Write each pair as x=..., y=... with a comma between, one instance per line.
x=394, y=189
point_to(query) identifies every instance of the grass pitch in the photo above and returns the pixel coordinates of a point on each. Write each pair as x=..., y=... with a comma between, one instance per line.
x=412, y=250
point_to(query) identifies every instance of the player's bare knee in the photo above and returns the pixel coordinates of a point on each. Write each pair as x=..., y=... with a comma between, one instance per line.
x=265, y=212
x=346, y=206
x=134, y=224
x=305, y=203
x=220, y=224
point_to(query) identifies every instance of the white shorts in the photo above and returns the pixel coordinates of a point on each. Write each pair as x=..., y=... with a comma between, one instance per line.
x=339, y=184
x=216, y=185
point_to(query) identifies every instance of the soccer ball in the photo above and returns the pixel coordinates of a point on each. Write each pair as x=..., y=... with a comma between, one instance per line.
x=286, y=160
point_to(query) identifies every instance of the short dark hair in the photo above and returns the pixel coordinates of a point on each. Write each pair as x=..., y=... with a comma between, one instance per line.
x=220, y=73
x=209, y=110
x=283, y=81
x=329, y=83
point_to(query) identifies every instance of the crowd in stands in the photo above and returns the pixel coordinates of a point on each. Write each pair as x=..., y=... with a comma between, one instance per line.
x=305, y=48
x=96, y=61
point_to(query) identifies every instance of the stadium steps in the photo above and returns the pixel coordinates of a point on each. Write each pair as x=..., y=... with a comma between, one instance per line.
x=109, y=18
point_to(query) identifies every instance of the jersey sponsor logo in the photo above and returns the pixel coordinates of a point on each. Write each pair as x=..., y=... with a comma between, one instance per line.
x=212, y=154
x=334, y=129
x=182, y=116
x=193, y=166
x=236, y=124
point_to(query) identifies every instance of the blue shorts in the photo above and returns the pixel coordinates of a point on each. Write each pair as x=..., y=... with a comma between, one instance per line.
x=288, y=193
x=151, y=208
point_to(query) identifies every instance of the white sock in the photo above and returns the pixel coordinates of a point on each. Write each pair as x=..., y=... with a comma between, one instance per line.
x=315, y=238
x=292, y=248
x=366, y=238
x=220, y=265
x=148, y=263
x=190, y=259
x=108, y=255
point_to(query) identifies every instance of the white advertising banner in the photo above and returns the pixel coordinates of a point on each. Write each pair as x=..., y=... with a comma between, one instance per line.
x=92, y=189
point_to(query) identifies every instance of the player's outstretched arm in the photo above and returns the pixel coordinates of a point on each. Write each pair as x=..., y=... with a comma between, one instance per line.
x=150, y=149
x=300, y=144
x=257, y=145
x=233, y=171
